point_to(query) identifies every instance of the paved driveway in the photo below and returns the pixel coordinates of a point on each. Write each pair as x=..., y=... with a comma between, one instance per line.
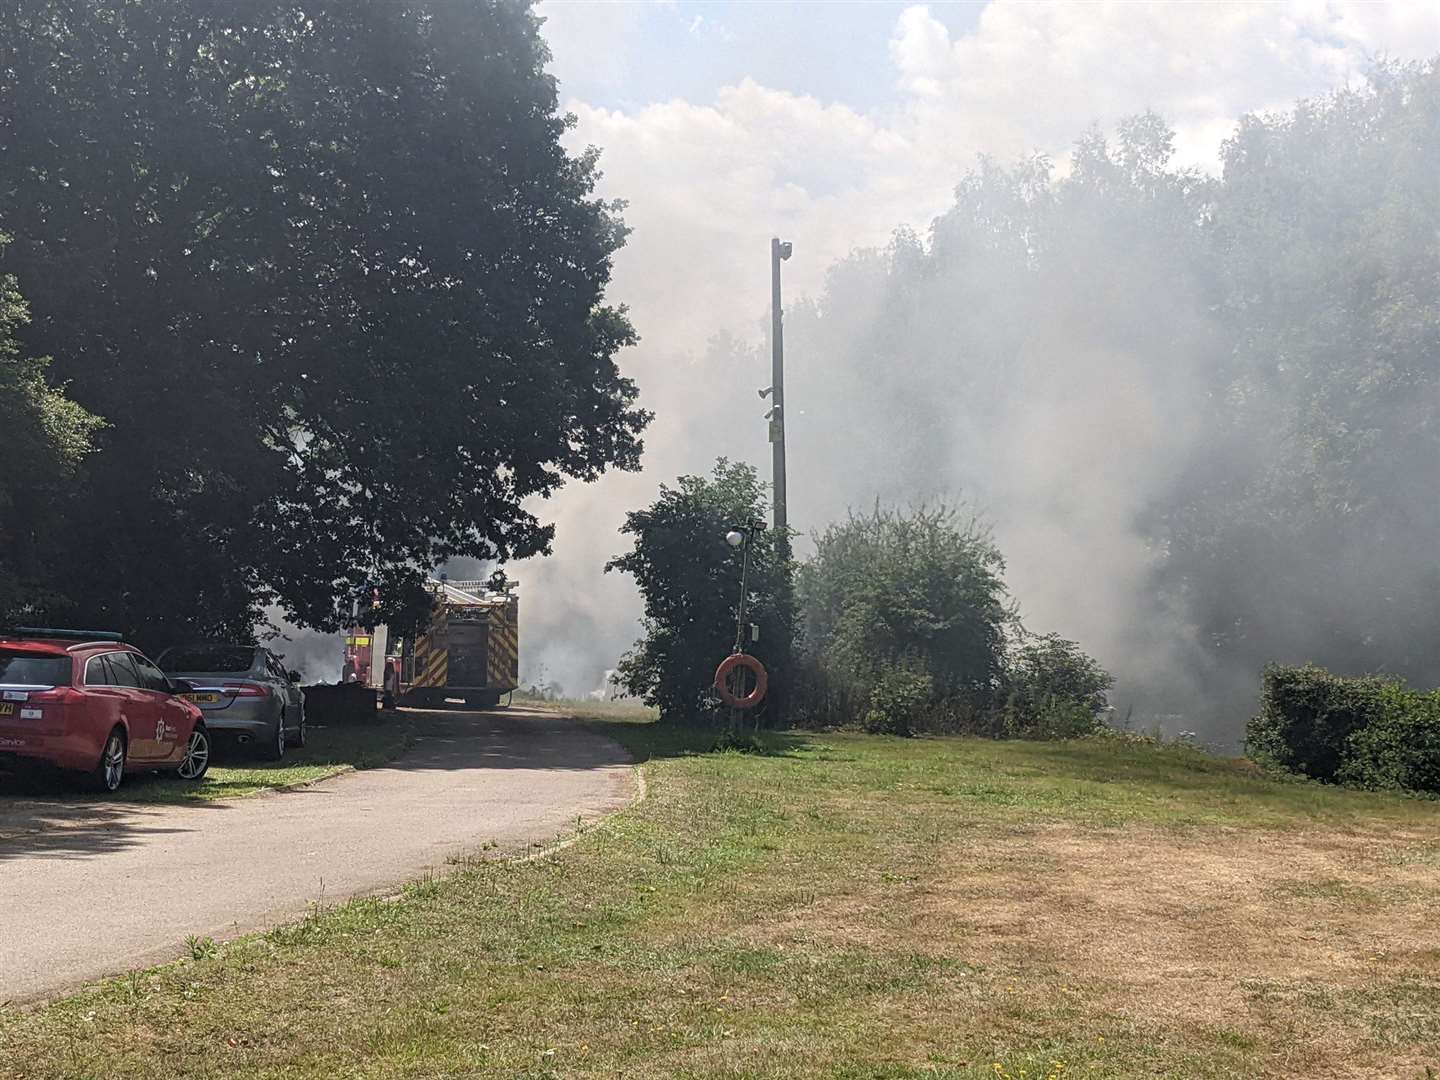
x=89, y=889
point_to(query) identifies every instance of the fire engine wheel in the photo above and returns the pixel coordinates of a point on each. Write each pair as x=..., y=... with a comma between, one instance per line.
x=735, y=662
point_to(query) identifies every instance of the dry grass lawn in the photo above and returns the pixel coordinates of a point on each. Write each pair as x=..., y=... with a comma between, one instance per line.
x=846, y=906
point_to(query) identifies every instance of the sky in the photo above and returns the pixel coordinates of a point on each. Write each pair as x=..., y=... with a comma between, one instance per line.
x=832, y=125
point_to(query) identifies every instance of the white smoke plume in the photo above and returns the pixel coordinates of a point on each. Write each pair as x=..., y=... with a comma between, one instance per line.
x=710, y=180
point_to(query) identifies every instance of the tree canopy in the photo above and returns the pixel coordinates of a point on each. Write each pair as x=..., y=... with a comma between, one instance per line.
x=47, y=437
x=922, y=587
x=331, y=278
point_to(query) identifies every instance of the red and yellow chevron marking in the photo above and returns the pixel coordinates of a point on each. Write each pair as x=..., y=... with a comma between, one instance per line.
x=502, y=657
x=432, y=659
x=432, y=669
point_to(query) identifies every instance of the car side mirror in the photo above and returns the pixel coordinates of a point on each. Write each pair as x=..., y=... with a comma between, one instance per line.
x=181, y=686
x=295, y=677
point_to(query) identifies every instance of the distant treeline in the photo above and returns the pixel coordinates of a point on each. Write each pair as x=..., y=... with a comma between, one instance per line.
x=1202, y=411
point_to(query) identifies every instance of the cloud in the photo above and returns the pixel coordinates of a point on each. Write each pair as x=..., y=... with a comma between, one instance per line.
x=711, y=29
x=718, y=179
x=1034, y=74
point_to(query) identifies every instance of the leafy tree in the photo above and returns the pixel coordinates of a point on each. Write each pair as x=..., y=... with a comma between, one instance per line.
x=334, y=282
x=1302, y=529
x=47, y=436
x=901, y=609
x=689, y=579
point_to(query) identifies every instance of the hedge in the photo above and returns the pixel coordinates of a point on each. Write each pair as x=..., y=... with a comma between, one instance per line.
x=1369, y=732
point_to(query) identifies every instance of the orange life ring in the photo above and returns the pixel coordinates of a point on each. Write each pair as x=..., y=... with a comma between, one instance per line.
x=729, y=664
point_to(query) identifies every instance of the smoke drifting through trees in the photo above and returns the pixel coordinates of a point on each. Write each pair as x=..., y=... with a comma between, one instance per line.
x=1199, y=411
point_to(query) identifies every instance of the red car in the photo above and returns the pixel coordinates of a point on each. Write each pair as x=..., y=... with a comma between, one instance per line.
x=86, y=701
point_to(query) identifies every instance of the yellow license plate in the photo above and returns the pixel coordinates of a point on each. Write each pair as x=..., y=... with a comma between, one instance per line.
x=7, y=708
x=202, y=699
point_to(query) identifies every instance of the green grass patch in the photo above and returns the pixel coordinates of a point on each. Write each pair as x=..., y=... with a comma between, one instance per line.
x=839, y=906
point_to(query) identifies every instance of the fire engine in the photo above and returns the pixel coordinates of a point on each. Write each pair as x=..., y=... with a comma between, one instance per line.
x=470, y=649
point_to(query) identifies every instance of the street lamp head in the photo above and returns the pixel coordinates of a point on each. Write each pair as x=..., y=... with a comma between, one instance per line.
x=785, y=249
x=734, y=538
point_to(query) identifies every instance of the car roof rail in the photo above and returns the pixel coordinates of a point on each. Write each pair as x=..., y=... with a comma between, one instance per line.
x=68, y=635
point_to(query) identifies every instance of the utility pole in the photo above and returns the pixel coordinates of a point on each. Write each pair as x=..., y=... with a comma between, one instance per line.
x=779, y=252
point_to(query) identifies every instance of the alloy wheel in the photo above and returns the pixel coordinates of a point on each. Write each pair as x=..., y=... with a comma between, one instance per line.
x=113, y=761
x=197, y=755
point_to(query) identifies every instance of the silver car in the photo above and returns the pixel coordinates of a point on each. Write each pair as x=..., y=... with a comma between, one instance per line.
x=244, y=692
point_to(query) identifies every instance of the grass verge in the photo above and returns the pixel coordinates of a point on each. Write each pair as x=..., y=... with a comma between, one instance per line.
x=844, y=906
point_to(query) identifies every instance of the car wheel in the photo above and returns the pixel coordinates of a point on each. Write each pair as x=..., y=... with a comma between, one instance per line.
x=110, y=771
x=297, y=737
x=276, y=748
x=196, y=762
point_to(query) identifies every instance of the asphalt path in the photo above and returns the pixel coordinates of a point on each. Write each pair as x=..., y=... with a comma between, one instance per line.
x=89, y=889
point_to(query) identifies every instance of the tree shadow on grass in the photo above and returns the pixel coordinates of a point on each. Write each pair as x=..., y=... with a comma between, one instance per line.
x=649, y=739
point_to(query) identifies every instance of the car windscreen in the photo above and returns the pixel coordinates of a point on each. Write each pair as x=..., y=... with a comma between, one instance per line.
x=27, y=669
x=217, y=658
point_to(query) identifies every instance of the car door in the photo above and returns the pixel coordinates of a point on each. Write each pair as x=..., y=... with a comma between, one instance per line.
x=172, y=719
x=140, y=707
x=105, y=704
x=292, y=696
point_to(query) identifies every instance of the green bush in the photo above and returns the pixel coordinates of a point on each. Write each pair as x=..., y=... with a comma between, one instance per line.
x=908, y=628
x=1399, y=749
x=900, y=699
x=1052, y=718
x=1369, y=732
x=916, y=590
x=1307, y=716
x=1051, y=690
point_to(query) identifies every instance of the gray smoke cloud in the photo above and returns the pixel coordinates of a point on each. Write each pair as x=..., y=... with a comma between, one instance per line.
x=1058, y=429
x=710, y=168
x=1070, y=353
